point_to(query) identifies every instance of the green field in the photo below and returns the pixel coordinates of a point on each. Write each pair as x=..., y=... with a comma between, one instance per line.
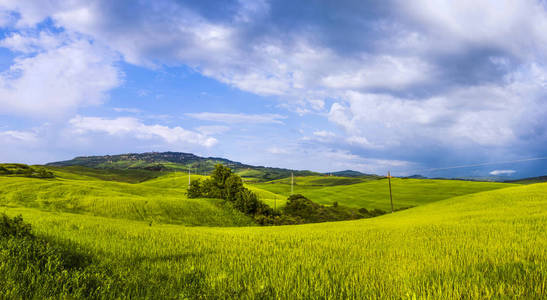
x=374, y=193
x=160, y=200
x=485, y=245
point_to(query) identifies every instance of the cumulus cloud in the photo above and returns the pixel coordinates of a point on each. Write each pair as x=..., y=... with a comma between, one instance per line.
x=135, y=128
x=238, y=118
x=502, y=172
x=55, y=74
x=416, y=79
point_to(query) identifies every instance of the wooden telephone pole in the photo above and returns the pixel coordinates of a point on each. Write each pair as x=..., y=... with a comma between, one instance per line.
x=390, y=195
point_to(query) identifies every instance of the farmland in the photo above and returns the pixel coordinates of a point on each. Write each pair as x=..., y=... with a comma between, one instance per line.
x=483, y=245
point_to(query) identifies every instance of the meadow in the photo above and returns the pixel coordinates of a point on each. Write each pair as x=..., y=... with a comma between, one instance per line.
x=146, y=239
x=484, y=245
x=374, y=193
x=160, y=200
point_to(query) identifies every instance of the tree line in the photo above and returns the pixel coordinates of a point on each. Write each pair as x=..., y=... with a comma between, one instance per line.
x=226, y=185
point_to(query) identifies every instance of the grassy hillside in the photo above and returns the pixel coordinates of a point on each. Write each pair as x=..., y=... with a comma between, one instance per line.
x=485, y=245
x=126, y=175
x=374, y=193
x=530, y=180
x=176, y=161
x=162, y=200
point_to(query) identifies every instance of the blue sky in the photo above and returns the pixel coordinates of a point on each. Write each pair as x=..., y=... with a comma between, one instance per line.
x=407, y=86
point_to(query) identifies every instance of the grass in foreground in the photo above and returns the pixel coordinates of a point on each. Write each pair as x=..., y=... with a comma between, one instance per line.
x=486, y=245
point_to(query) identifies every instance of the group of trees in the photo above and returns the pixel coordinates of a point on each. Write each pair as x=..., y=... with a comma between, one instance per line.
x=226, y=185
x=25, y=170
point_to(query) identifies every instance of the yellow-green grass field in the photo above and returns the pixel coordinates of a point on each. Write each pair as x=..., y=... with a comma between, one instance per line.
x=161, y=200
x=374, y=193
x=479, y=246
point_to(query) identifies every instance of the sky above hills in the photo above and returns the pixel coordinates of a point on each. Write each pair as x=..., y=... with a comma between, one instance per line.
x=406, y=86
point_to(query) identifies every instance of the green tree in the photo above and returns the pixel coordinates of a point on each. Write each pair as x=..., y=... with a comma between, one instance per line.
x=194, y=190
x=220, y=175
x=232, y=186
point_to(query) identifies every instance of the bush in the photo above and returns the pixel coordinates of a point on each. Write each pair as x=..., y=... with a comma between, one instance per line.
x=302, y=207
x=42, y=173
x=14, y=227
x=377, y=212
x=278, y=220
x=25, y=170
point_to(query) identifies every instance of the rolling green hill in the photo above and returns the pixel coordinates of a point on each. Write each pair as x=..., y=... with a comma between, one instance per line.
x=173, y=161
x=161, y=200
x=478, y=246
x=374, y=193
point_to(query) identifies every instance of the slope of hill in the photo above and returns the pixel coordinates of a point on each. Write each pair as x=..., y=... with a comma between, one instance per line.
x=162, y=200
x=530, y=180
x=351, y=173
x=172, y=161
x=479, y=246
x=370, y=194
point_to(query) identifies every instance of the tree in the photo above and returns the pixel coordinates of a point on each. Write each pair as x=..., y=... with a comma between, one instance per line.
x=226, y=185
x=300, y=206
x=220, y=175
x=194, y=190
x=232, y=186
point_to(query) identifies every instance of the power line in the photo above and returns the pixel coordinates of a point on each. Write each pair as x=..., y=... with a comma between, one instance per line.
x=478, y=164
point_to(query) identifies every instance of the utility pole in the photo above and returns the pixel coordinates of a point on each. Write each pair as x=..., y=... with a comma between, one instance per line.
x=292, y=183
x=189, y=180
x=390, y=196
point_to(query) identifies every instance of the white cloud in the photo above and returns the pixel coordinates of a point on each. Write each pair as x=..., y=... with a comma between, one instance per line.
x=379, y=72
x=502, y=172
x=55, y=75
x=465, y=75
x=360, y=141
x=324, y=133
x=278, y=150
x=238, y=118
x=20, y=136
x=518, y=27
x=487, y=115
x=127, y=110
x=29, y=44
x=213, y=129
x=134, y=128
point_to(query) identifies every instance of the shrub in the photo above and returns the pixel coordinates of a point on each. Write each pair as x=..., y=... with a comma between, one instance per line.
x=14, y=227
x=300, y=206
x=42, y=173
x=377, y=212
